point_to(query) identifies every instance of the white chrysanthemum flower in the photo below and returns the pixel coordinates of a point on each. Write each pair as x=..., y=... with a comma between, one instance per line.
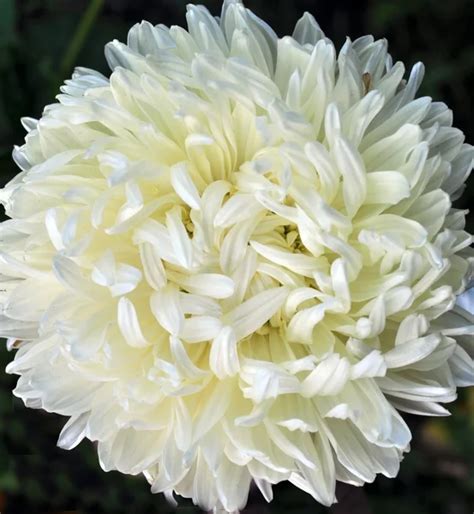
x=236, y=259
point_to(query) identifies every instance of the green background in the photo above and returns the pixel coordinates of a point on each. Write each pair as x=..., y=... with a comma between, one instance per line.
x=40, y=42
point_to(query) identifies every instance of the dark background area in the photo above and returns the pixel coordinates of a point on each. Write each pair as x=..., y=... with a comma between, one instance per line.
x=40, y=42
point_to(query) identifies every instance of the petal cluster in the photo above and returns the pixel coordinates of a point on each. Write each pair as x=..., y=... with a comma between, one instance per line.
x=236, y=259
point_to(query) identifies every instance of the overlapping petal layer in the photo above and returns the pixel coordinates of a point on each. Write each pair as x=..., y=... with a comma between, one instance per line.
x=234, y=259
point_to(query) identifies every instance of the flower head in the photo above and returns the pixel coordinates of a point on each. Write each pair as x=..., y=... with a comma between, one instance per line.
x=236, y=259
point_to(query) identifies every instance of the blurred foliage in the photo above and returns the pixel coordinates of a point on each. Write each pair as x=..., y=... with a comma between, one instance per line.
x=39, y=42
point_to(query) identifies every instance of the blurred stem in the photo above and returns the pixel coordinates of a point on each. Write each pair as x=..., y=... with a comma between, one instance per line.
x=78, y=39
x=470, y=406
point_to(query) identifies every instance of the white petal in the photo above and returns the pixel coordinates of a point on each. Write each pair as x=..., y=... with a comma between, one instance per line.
x=255, y=312
x=411, y=351
x=298, y=262
x=167, y=310
x=179, y=238
x=388, y=187
x=183, y=361
x=462, y=367
x=353, y=172
x=307, y=30
x=300, y=329
x=213, y=409
x=153, y=268
x=200, y=328
x=265, y=488
x=184, y=186
x=223, y=359
x=72, y=277
x=234, y=246
x=328, y=378
x=213, y=285
x=29, y=299
x=157, y=235
x=284, y=443
x=237, y=209
x=129, y=325
x=372, y=365
x=73, y=431
x=233, y=484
